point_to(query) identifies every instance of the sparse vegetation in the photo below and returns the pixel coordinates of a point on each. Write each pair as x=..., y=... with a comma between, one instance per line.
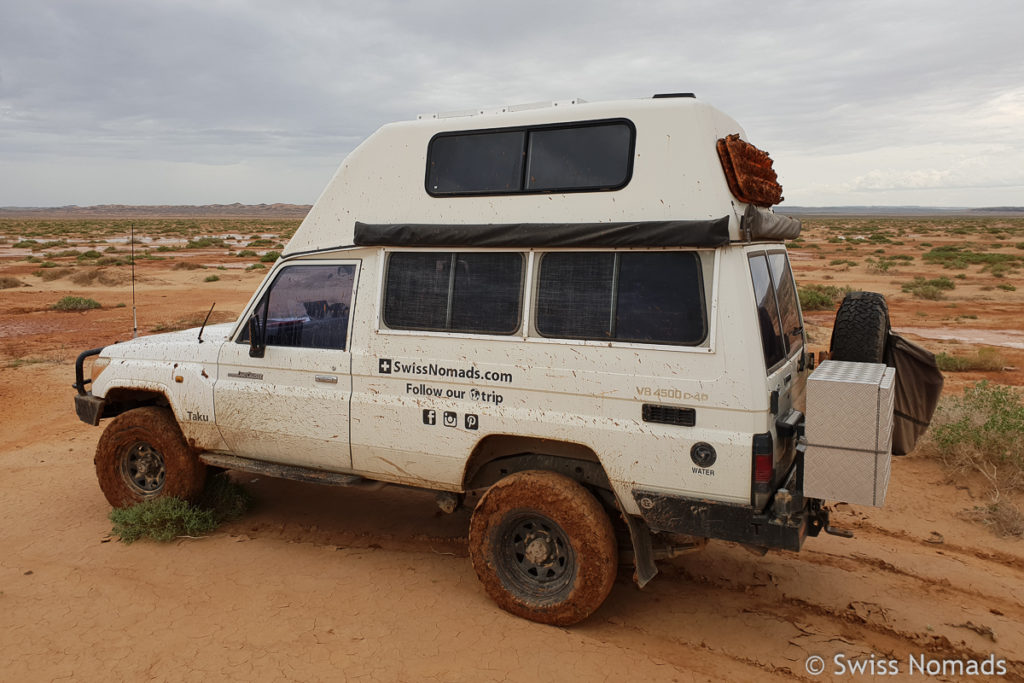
x=933, y=290
x=979, y=433
x=820, y=297
x=270, y=256
x=76, y=303
x=165, y=519
x=51, y=274
x=985, y=359
x=211, y=278
x=256, y=266
x=205, y=243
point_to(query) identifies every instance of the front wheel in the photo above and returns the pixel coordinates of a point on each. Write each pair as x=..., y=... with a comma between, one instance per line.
x=543, y=547
x=142, y=455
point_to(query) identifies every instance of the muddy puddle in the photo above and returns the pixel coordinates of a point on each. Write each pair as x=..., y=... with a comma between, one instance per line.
x=1011, y=339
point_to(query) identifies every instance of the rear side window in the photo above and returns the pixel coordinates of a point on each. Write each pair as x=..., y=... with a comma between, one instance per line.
x=587, y=156
x=789, y=304
x=647, y=297
x=778, y=312
x=454, y=291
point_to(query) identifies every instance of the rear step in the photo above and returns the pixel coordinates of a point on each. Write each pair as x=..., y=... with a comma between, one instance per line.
x=273, y=469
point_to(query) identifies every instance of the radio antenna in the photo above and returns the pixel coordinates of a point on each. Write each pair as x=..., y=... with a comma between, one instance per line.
x=135, y=318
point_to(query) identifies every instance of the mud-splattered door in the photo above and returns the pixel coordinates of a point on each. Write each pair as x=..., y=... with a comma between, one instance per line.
x=292, y=405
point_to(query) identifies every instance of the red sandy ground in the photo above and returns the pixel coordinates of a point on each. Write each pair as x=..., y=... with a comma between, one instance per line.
x=318, y=583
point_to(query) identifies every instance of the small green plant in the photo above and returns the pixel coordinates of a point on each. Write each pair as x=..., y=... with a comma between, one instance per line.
x=985, y=360
x=25, y=244
x=91, y=254
x=113, y=261
x=980, y=433
x=211, y=278
x=205, y=242
x=75, y=303
x=165, y=519
x=820, y=297
x=247, y=253
x=270, y=256
x=933, y=290
x=1006, y=287
x=256, y=266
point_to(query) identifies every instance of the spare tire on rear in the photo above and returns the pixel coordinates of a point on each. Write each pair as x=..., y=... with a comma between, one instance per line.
x=861, y=329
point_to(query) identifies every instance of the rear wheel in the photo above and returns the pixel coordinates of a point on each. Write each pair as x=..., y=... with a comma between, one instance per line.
x=861, y=328
x=142, y=455
x=543, y=547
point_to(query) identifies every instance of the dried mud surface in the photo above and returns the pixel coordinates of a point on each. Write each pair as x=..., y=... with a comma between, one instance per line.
x=318, y=583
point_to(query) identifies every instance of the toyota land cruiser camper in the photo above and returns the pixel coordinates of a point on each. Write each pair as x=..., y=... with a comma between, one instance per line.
x=580, y=316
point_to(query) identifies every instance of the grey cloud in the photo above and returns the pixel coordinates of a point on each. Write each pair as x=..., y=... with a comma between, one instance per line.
x=221, y=82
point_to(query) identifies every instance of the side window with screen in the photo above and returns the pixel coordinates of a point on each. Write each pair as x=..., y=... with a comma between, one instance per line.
x=772, y=341
x=308, y=307
x=594, y=156
x=476, y=292
x=646, y=297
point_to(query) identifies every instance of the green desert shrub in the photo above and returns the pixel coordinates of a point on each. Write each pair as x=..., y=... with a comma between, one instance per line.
x=76, y=303
x=165, y=519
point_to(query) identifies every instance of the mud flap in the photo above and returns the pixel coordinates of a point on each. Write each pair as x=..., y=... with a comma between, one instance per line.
x=918, y=386
x=643, y=550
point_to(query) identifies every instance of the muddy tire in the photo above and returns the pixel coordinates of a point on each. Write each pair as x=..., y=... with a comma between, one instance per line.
x=861, y=329
x=142, y=455
x=543, y=547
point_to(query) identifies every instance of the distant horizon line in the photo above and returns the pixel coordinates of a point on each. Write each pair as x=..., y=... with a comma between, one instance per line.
x=285, y=210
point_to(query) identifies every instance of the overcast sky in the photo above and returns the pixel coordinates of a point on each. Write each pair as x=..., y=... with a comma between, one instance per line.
x=886, y=102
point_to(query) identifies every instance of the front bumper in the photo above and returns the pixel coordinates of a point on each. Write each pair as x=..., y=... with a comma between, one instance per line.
x=89, y=408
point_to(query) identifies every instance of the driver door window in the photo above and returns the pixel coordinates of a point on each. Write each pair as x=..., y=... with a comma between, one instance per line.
x=307, y=307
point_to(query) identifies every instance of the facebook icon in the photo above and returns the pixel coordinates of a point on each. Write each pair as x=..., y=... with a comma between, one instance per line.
x=429, y=416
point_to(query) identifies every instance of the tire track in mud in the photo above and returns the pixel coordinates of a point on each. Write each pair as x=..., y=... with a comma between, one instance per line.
x=942, y=585
x=878, y=637
x=994, y=556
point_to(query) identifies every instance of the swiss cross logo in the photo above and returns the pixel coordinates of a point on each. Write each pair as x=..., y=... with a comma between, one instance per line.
x=384, y=366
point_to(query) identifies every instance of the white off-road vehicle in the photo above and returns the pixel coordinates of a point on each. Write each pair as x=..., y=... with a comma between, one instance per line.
x=580, y=316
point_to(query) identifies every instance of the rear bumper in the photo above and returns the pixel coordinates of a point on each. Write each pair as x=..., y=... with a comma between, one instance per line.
x=787, y=520
x=724, y=521
x=89, y=408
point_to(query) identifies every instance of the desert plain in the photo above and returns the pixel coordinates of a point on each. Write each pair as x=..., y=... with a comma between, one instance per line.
x=321, y=583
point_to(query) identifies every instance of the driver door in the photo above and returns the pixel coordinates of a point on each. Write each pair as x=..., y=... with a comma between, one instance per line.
x=292, y=405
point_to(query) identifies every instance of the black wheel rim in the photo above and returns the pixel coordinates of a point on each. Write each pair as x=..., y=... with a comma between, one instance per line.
x=142, y=468
x=535, y=560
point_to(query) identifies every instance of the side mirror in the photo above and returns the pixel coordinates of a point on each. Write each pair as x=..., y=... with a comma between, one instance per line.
x=257, y=337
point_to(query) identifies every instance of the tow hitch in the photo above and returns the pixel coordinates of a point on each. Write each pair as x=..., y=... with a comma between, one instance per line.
x=817, y=521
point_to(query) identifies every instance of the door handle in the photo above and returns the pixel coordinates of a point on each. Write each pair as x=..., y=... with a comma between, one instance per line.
x=329, y=379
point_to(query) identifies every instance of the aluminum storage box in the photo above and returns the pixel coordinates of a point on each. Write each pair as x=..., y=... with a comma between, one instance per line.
x=849, y=432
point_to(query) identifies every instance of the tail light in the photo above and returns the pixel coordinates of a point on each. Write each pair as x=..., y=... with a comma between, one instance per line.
x=764, y=463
